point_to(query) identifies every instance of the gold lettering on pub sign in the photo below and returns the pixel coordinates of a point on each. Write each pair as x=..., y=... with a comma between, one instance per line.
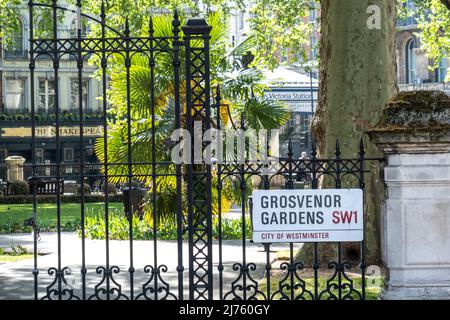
x=50, y=131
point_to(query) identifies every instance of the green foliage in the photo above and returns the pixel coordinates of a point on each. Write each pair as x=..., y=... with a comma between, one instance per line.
x=28, y=199
x=263, y=113
x=45, y=225
x=19, y=188
x=143, y=229
x=434, y=28
x=281, y=30
x=16, y=251
x=86, y=188
x=8, y=19
x=12, y=217
x=243, y=89
x=111, y=187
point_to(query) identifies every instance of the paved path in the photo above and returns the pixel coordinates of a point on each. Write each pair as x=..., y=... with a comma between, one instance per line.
x=16, y=280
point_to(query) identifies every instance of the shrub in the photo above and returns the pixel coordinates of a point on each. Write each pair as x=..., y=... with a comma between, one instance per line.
x=134, y=184
x=28, y=199
x=143, y=229
x=87, y=189
x=111, y=188
x=19, y=188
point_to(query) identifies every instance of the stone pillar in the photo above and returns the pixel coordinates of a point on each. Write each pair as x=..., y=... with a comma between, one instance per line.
x=14, y=168
x=414, y=134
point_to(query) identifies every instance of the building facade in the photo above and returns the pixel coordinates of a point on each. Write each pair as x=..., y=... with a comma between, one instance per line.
x=414, y=68
x=15, y=101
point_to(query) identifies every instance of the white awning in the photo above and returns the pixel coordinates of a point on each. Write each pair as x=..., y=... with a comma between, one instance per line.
x=283, y=77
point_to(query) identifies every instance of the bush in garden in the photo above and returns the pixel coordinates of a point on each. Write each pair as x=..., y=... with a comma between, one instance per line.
x=13, y=199
x=86, y=187
x=143, y=229
x=111, y=187
x=19, y=188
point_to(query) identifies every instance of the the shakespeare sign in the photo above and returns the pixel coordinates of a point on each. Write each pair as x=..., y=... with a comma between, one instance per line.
x=327, y=215
x=50, y=131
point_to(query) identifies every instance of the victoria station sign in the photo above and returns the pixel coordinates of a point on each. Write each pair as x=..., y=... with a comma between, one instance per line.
x=326, y=215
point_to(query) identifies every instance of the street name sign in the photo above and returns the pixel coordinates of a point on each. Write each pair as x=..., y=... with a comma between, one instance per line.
x=306, y=215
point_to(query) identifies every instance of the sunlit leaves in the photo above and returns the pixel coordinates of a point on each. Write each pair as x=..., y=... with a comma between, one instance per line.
x=281, y=29
x=434, y=25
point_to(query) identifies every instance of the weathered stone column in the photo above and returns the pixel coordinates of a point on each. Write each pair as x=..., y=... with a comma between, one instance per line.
x=414, y=134
x=14, y=168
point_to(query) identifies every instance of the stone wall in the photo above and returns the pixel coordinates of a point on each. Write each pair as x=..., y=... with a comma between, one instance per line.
x=414, y=134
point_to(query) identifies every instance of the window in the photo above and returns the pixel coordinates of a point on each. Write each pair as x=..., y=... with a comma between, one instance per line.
x=46, y=95
x=313, y=44
x=74, y=28
x=241, y=20
x=442, y=70
x=411, y=64
x=313, y=12
x=39, y=155
x=44, y=28
x=14, y=101
x=68, y=154
x=16, y=44
x=74, y=95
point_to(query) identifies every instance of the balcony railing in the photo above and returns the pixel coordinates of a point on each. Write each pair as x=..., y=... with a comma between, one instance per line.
x=16, y=54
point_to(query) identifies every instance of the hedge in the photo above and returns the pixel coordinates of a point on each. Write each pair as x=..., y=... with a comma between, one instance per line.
x=52, y=199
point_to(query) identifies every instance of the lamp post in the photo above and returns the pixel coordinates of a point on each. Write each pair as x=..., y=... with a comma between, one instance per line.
x=89, y=150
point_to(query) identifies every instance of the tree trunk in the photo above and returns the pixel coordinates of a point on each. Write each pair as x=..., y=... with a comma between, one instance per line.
x=357, y=77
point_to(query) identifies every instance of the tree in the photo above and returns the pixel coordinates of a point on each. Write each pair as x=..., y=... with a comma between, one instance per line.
x=281, y=29
x=242, y=90
x=357, y=78
x=283, y=20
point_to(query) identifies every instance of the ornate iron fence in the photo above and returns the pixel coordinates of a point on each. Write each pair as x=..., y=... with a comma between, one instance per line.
x=196, y=275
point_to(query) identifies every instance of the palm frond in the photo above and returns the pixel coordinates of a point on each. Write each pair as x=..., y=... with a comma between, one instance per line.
x=264, y=113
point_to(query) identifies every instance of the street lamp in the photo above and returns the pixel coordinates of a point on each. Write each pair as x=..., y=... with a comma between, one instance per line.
x=89, y=149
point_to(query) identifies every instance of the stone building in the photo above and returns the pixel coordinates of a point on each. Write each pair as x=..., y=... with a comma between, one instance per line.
x=413, y=66
x=15, y=100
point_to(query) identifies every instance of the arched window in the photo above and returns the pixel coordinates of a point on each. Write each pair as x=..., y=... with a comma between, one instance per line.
x=43, y=24
x=74, y=30
x=411, y=61
x=16, y=43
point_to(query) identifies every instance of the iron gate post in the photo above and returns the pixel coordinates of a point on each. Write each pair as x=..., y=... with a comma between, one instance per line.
x=196, y=41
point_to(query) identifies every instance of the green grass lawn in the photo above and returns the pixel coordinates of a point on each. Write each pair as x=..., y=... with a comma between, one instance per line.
x=12, y=216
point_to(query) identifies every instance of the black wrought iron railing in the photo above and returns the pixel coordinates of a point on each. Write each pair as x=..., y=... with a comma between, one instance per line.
x=199, y=269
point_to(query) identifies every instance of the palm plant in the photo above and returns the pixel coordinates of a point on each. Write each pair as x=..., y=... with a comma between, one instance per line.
x=242, y=94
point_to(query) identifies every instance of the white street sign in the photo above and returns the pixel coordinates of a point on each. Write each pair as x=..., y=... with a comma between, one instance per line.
x=325, y=215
